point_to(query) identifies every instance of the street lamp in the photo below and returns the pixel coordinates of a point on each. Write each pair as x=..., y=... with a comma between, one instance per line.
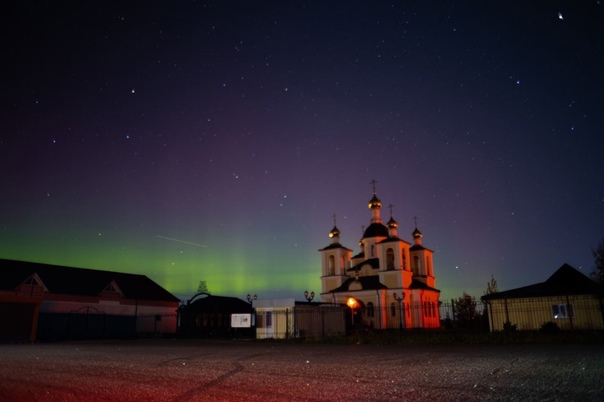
x=307, y=297
x=400, y=303
x=250, y=299
x=352, y=303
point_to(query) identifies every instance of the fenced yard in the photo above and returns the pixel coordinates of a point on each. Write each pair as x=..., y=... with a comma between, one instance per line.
x=325, y=322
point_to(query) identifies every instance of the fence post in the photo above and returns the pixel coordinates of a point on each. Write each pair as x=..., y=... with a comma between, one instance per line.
x=453, y=314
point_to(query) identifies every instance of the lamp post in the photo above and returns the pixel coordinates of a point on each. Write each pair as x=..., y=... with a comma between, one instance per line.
x=309, y=297
x=250, y=299
x=401, y=306
x=352, y=303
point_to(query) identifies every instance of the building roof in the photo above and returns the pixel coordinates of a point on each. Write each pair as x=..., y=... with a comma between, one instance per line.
x=367, y=283
x=565, y=281
x=393, y=240
x=417, y=247
x=372, y=262
x=416, y=284
x=333, y=246
x=220, y=304
x=80, y=281
x=376, y=230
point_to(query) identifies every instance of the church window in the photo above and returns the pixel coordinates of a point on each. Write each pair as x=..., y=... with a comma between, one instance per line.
x=393, y=309
x=404, y=259
x=370, y=309
x=416, y=267
x=372, y=250
x=390, y=259
x=331, y=265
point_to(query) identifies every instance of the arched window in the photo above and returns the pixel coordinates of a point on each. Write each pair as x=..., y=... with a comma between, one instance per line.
x=372, y=250
x=370, y=310
x=390, y=259
x=416, y=265
x=404, y=258
x=393, y=309
x=332, y=265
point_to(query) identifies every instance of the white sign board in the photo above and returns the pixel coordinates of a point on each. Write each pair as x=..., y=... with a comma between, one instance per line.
x=241, y=320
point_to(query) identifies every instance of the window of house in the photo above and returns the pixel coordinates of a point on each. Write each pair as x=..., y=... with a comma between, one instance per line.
x=390, y=259
x=269, y=319
x=561, y=311
x=370, y=310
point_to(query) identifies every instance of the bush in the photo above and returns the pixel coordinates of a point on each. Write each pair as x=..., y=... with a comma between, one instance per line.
x=549, y=328
x=509, y=327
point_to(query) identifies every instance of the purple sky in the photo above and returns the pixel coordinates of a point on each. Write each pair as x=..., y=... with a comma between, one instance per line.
x=214, y=140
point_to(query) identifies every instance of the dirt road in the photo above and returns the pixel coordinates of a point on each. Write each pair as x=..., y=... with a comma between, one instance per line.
x=171, y=370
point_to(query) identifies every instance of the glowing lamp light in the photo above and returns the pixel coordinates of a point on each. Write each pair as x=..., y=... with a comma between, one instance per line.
x=352, y=303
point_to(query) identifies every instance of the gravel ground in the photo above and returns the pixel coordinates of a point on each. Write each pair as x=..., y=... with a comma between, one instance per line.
x=171, y=370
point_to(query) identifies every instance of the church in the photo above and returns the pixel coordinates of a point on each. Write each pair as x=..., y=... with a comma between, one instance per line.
x=389, y=283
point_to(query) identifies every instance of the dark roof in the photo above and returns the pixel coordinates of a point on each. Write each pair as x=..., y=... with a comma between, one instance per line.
x=367, y=283
x=393, y=239
x=376, y=230
x=220, y=304
x=416, y=284
x=359, y=255
x=373, y=262
x=333, y=246
x=80, y=281
x=565, y=281
x=417, y=247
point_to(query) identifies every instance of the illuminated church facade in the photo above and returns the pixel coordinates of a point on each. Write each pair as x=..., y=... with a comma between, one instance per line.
x=389, y=283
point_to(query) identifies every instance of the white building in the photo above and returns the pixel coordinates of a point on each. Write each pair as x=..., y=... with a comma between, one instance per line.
x=388, y=274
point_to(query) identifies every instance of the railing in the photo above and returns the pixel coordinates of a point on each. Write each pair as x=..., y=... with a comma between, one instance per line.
x=564, y=313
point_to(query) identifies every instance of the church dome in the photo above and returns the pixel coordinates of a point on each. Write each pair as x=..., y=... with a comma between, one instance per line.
x=376, y=230
x=416, y=233
x=392, y=224
x=375, y=202
x=335, y=232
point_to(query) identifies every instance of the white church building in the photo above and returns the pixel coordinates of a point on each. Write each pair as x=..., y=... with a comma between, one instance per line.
x=388, y=276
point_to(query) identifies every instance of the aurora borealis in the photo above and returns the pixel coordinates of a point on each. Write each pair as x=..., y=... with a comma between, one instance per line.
x=215, y=140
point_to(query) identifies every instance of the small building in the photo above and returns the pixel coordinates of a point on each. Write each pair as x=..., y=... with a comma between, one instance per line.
x=287, y=318
x=51, y=302
x=208, y=316
x=568, y=298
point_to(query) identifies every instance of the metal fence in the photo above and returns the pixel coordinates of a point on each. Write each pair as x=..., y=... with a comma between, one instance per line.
x=316, y=321
x=93, y=324
x=565, y=312
x=549, y=314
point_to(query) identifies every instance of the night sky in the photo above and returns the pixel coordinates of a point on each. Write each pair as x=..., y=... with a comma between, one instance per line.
x=215, y=140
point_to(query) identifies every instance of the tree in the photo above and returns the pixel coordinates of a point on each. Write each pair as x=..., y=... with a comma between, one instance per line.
x=491, y=286
x=598, y=270
x=203, y=287
x=465, y=309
